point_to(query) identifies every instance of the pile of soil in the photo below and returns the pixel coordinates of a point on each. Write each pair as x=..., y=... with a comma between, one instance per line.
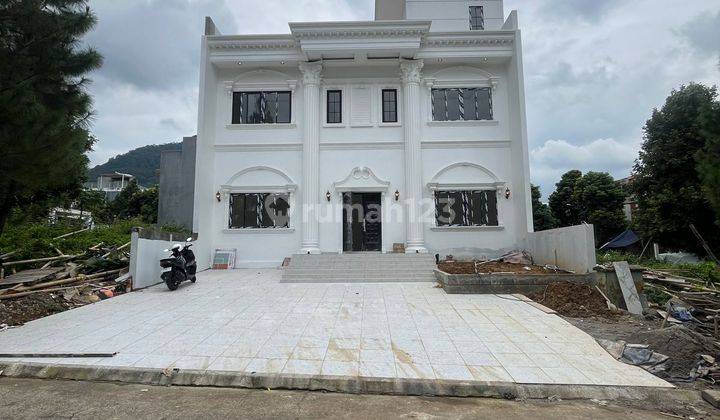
x=24, y=309
x=468, y=267
x=573, y=300
x=17, y=311
x=684, y=347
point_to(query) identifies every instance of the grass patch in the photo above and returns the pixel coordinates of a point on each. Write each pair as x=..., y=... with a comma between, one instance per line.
x=35, y=239
x=707, y=271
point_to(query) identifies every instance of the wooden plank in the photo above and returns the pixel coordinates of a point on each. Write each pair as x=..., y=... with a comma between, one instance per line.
x=29, y=276
x=63, y=355
x=627, y=285
x=704, y=244
x=66, y=257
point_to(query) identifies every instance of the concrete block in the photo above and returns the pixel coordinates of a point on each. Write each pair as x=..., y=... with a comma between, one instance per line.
x=712, y=396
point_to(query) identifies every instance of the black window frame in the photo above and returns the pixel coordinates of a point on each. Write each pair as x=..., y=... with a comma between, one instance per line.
x=466, y=208
x=266, y=113
x=475, y=95
x=254, y=211
x=477, y=20
x=389, y=116
x=334, y=116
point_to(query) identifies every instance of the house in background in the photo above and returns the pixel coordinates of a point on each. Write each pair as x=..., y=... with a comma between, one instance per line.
x=403, y=133
x=177, y=185
x=110, y=183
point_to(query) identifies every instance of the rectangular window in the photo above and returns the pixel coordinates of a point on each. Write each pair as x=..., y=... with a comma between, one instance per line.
x=477, y=19
x=461, y=104
x=258, y=210
x=334, y=107
x=261, y=107
x=466, y=208
x=389, y=106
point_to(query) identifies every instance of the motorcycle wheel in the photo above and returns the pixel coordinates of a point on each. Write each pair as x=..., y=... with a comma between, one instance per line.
x=193, y=279
x=171, y=284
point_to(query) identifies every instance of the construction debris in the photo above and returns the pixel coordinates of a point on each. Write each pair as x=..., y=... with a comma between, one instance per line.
x=694, y=302
x=52, y=284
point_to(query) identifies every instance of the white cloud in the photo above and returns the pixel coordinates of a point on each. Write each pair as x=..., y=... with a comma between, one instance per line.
x=555, y=157
x=597, y=72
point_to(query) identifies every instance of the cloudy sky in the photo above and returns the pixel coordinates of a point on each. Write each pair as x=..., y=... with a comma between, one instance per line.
x=594, y=69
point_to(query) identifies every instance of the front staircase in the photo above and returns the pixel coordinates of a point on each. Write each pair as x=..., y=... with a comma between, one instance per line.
x=361, y=267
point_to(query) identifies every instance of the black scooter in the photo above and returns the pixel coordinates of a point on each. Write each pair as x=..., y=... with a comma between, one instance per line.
x=181, y=266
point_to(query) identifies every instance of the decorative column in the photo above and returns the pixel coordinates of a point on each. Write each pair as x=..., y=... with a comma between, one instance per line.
x=311, y=157
x=410, y=71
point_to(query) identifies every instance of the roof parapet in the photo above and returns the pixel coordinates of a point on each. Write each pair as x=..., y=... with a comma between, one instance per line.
x=511, y=23
x=210, y=28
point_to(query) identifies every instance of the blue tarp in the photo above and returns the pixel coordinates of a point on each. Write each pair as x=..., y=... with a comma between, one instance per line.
x=623, y=240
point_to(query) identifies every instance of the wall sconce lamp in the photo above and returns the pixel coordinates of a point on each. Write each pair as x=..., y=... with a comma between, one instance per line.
x=328, y=196
x=397, y=195
x=218, y=196
x=507, y=193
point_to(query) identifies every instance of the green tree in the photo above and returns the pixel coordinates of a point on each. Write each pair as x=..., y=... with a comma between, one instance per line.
x=600, y=200
x=542, y=216
x=562, y=202
x=666, y=182
x=94, y=202
x=709, y=157
x=122, y=207
x=44, y=108
x=133, y=202
x=146, y=204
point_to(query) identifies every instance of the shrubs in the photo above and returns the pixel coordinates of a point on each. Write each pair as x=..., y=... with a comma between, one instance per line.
x=707, y=271
x=35, y=239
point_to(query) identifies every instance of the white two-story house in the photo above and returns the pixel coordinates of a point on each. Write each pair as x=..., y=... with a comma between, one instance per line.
x=402, y=134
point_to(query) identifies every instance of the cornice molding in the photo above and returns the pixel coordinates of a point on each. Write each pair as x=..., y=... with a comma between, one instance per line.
x=374, y=29
x=468, y=39
x=257, y=147
x=464, y=144
x=252, y=42
x=365, y=145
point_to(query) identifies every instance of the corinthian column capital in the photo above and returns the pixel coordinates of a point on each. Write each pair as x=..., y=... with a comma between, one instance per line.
x=310, y=72
x=411, y=70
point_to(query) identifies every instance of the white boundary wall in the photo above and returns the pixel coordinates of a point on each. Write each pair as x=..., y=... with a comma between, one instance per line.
x=145, y=255
x=570, y=248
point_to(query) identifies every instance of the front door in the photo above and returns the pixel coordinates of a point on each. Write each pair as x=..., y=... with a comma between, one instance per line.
x=362, y=228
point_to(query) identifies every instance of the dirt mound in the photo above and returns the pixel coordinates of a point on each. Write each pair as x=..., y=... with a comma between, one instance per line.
x=684, y=347
x=21, y=310
x=573, y=300
x=468, y=267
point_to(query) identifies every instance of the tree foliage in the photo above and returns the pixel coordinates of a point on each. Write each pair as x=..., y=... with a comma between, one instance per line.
x=709, y=157
x=600, y=201
x=666, y=182
x=44, y=108
x=133, y=202
x=542, y=216
x=594, y=198
x=564, y=207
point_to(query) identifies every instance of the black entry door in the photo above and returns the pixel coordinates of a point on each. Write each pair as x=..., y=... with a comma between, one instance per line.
x=362, y=228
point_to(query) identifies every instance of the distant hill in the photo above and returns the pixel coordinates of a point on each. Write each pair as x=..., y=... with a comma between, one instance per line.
x=142, y=163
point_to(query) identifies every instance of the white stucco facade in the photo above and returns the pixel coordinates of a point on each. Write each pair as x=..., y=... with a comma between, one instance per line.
x=313, y=163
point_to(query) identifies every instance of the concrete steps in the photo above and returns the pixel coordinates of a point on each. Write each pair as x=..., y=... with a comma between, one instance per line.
x=363, y=267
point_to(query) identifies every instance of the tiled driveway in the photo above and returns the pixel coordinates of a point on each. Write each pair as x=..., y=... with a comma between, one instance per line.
x=245, y=320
